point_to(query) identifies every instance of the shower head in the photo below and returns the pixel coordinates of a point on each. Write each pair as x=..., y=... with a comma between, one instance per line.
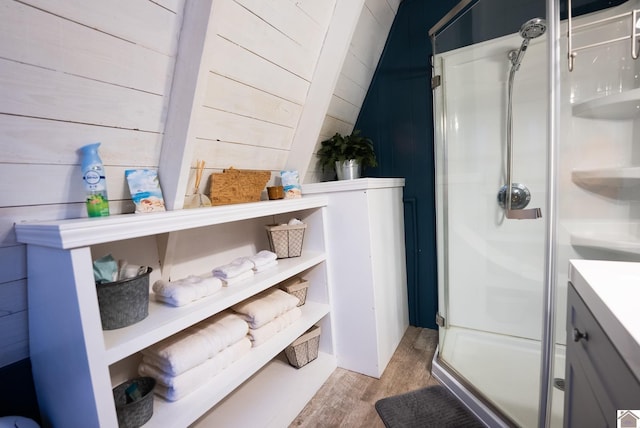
x=533, y=28
x=530, y=30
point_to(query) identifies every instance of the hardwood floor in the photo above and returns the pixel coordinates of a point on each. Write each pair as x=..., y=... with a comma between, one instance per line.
x=347, y=399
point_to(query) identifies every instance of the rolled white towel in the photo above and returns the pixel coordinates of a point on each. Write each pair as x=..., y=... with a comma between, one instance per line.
x=233, y=269
x=174, y=388
x=262, y=258
x=186, y=290
x=265, y=266
x=260, y=335
x=239, y=278
x=263, y=307
x=196, y=344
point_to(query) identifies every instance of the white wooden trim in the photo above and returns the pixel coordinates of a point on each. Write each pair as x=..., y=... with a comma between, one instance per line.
x=187, y=96
x=73, y=233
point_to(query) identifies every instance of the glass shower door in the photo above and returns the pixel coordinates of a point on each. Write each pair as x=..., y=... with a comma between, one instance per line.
x=490, y=266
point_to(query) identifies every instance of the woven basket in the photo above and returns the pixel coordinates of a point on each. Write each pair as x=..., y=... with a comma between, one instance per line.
x=305, y=348
x=296, y=287
x=236, y=186
x=136, y=413
x=286, y=241
x=124, y=302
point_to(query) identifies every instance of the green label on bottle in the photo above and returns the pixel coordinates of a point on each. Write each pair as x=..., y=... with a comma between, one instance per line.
x=97, y=206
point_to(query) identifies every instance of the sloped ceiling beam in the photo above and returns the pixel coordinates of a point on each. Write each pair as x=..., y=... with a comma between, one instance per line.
x=187, y=94
x=330, y=62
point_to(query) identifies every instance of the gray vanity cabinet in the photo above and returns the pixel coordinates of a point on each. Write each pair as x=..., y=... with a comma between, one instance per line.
x=598, y=381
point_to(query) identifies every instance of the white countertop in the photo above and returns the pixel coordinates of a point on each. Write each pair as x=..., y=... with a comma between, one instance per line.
x=611, y=290
x=351, y=185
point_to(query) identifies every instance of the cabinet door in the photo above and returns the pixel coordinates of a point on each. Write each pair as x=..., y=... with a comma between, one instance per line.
x=581, y=404
x=598, y=378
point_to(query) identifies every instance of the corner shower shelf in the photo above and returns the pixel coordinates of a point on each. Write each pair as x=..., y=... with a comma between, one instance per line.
x=621, y=177
x=625, y=105
x=621, y=237
x=618, y=242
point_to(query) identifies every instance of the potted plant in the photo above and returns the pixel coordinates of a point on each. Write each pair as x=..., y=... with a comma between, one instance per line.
x=347, y=155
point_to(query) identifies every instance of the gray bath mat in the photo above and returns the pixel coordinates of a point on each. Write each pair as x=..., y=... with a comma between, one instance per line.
x=429, y=407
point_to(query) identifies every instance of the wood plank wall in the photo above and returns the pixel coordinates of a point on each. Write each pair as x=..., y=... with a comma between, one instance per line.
x=366, y=47
x=77, y=71
x=73, y=72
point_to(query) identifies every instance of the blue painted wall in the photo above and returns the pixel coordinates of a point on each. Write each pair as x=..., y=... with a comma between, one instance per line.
x=397, y=116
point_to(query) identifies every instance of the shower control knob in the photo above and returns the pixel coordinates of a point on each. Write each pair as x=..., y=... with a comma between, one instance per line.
x=520, y=196
x=577, y=335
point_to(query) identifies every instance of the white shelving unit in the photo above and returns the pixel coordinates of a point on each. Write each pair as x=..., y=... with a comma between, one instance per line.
x=368, y=269
x=613, y=235
x=76, y=364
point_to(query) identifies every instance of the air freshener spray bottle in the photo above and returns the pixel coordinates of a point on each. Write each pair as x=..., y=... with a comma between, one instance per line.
x=95, y=183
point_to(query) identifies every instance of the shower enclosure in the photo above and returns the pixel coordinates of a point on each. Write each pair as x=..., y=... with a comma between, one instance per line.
x=566, y=150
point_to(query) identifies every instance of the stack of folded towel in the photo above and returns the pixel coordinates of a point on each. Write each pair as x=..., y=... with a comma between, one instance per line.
x=187, y=290
x=185, y=361
x=236, y=271
x=244, y=267
x=268, y=313
x=263, y=260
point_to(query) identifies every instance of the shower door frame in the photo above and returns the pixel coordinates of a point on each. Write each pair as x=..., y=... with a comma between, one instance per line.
x=441, y=370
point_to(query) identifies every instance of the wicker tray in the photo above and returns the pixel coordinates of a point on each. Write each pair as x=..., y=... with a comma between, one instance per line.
x=304, y=349
x=236, y=186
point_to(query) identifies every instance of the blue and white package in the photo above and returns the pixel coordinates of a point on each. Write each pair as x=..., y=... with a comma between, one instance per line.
x=291, y=184
x=145, y=190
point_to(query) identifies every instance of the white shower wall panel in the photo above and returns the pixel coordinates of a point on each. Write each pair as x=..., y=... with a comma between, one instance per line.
x=499, y=288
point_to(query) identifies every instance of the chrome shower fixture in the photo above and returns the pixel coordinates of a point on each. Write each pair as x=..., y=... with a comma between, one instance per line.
x=514, y=197
x=531, y=29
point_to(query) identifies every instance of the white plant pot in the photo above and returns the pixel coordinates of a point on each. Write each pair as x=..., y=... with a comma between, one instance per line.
x=348, y=170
